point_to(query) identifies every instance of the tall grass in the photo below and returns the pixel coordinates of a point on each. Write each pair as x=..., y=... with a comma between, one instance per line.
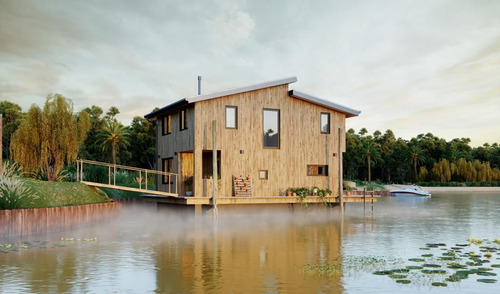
x=15, y=194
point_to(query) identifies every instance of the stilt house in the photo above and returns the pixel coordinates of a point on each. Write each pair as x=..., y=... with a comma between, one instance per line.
x=268, y=138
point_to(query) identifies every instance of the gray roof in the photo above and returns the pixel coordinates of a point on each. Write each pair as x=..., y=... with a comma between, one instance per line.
x=334, y=106
x=238, y=90
x=293, y=93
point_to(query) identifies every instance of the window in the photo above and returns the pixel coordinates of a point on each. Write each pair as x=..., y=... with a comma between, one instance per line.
x=263, y=175
x=167, y=125
x=317, y=170
x=183, y=119
x=167, y=167
x=231, y=117
x=325, y=123
x=271, y=128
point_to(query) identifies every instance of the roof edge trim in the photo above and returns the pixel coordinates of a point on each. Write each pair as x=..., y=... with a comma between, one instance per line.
x=238, y=90
x=303, y=96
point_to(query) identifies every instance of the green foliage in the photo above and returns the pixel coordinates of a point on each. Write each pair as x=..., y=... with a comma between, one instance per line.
x=12, y=116
x=14, y=194
x=49, y=139
x=114, y=136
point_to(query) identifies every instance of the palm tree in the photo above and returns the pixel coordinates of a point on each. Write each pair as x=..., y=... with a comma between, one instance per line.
x=416, y=156
x=115, y=135
x=371, y=153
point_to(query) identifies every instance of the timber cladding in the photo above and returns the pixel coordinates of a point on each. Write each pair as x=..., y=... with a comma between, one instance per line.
x=242, y=151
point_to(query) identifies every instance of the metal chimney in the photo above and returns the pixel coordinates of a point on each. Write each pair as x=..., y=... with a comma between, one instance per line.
x=199, y=85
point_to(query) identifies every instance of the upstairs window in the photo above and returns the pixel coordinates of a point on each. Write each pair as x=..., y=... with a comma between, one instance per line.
x=167, y=125
x=271, y=128
x=231, y=117
x=317, y=170
x=325, y=123
x=183, y=120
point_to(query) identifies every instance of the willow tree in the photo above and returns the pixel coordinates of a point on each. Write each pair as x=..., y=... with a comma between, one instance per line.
x=114, y=135
x=48, y=139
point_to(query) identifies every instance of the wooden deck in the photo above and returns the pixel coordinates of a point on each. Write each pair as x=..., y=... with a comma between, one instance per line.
x=256, y=200
x=123, y=188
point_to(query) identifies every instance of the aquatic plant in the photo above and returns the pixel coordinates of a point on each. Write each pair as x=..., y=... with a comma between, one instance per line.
x=322, y=270
x=487, y=280
x=475, y=241
x=439, y=284
x=403, y=281
x=15, y=194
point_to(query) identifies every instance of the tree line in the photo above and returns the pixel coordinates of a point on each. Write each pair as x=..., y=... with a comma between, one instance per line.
x=44, y=140
x=424, y=158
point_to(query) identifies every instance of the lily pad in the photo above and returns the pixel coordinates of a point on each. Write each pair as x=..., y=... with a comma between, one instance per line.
x=431, y=265
x=439, y=284
x=495, y=265
x=398, y=277
x=417, y=259
x=487, y=280
x=432, y=272
x=409, y=282
x=456, y=266
x=427, y=255
x=414, y=267
x=382, y=273
x=486, y=274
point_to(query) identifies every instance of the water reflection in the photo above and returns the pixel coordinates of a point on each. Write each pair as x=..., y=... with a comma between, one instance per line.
x=262, y=252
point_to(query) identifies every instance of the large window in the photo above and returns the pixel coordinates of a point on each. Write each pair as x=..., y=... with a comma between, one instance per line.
x=167, y=125
x=231, y=117
x=183, y=120
x=271, y=128
x=317, y=170
x=167, y=167
x=325, y=123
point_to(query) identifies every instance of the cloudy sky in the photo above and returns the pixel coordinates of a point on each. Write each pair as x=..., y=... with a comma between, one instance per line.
x=409, y=66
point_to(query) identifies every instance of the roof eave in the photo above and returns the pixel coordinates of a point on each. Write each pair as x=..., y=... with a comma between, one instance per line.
x=170, y=107
x=238, y=90
x=349, y=112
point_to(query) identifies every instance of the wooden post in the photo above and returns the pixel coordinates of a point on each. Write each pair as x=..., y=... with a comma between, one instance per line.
x=214, y=167
x=364, y=199
x=1, y=143
x=339, y=151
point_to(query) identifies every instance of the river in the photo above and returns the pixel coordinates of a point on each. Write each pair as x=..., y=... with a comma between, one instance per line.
x=318, y=251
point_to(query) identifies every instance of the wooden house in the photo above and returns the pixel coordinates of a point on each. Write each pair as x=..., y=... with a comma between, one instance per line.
x=268, y=138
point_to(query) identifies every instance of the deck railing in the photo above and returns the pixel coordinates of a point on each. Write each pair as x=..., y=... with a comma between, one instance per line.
x=140, y=175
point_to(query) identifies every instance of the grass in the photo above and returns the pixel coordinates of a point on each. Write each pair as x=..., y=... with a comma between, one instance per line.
x=54, y=194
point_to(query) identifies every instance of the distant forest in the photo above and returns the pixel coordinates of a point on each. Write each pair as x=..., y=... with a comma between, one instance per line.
x=376, y=157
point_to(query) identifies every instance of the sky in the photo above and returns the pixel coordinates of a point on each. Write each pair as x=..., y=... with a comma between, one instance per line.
x=410, y=66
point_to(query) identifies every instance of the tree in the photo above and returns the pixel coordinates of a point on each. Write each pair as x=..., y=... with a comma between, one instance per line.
x=143, y=146
x=371, y=153
x=112, y=112
x=47, y=140
x=12, y=116
x=416, y=155
x=116, y=136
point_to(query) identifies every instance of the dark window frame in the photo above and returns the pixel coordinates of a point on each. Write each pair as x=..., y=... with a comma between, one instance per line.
x=321, y=123
x=183, y=122
x=235, y=116
x=165, y=169
x=279, y=128
x=317, y=170
x=166, y=125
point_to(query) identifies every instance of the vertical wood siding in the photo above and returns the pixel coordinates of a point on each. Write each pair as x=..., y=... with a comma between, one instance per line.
x=301, y=142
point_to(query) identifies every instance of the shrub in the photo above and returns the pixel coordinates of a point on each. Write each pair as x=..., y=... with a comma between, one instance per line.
x=14, y=193
x=10, y=170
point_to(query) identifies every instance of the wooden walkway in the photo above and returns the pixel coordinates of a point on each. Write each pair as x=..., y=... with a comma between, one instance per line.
x=140, y=176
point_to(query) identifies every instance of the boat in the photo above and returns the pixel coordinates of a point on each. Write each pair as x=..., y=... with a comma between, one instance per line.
x=409, y=192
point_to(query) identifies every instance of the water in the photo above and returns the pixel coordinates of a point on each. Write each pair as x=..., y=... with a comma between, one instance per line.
x=145, y=252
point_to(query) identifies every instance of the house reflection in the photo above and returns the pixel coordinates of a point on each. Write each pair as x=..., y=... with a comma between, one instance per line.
x=257, y=258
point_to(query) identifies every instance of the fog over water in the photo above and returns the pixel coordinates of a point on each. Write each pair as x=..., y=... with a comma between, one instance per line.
x=256, y=251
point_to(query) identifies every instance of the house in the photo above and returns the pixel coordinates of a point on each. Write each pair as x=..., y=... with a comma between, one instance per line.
x=270, y=136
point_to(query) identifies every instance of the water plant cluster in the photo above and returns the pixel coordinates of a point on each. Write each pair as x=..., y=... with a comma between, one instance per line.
x=42, y=244
x=450, y=264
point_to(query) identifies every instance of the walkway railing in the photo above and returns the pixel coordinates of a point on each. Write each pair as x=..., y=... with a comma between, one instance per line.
x=139, y=175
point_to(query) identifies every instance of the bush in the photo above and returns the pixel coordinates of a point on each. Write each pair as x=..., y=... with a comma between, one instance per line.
x=15, y=194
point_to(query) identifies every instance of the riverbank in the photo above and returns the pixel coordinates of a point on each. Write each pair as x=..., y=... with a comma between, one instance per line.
x=43, y=194
x=448, y=189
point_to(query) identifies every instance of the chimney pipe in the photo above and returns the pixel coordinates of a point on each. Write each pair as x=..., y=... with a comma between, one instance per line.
x=199, y=85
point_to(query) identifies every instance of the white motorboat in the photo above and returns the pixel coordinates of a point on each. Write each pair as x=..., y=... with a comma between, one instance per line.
x=412, y=191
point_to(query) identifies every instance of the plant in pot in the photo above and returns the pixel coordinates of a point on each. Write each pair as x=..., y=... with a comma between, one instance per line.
x=290, y=191
x=189, y=183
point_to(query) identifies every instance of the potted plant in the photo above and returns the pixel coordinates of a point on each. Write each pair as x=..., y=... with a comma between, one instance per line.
x=189, y=183
x=289, y=191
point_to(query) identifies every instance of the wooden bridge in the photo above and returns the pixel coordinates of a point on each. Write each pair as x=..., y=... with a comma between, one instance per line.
x=108, y=179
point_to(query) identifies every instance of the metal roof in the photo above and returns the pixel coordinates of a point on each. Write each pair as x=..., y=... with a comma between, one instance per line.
x=238, y=90
x=334, y=106
x=293, y=93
